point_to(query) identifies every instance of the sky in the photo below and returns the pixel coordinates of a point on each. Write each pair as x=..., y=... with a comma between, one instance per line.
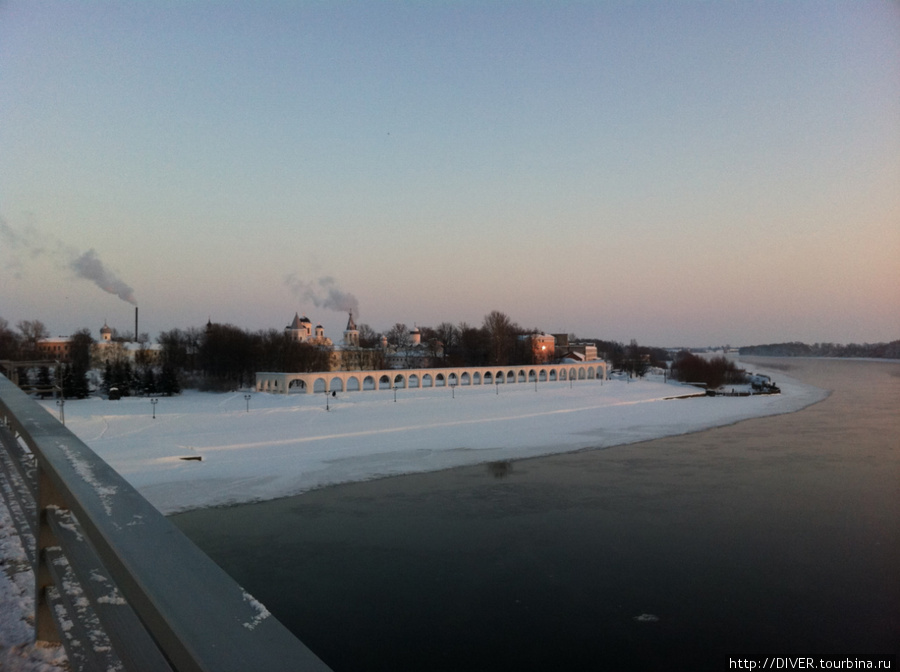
x=679, y=173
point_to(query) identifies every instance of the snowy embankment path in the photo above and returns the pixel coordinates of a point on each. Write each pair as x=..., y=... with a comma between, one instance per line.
x=286, y=445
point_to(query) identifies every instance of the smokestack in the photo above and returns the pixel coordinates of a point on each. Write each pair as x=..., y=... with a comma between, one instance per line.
x=135, y=325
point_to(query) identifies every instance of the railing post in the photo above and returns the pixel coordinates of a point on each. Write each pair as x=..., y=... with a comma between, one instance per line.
x=45, y=629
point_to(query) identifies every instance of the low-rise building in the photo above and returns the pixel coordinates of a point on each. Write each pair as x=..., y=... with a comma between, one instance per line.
x=58, y=348
x=542, y=346
x=109, y=350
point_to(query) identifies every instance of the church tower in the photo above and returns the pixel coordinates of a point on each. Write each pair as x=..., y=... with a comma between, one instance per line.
x=351, y=333
x=299, y=329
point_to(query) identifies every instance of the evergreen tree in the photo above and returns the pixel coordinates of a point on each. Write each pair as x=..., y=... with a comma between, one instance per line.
x=121, y=379
x=148, y=381
x=108, y=377
x=131, y=378
x=75, y=382
x=168, y=381
x=45, y=381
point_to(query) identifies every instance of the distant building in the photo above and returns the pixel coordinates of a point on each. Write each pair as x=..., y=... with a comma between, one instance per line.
x=102, y=351
x=579, y=352
x=416, y=355
x=301, y=330
x=58, y=348
x=542, y=346
x=349, y=356
x=562, y=341
x=109, y=350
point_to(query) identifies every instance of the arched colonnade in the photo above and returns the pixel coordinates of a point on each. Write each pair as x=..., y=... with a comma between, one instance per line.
x=364, y=381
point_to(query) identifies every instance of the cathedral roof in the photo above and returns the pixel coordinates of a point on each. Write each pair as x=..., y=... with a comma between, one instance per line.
x=297, y=322
x=351, y=325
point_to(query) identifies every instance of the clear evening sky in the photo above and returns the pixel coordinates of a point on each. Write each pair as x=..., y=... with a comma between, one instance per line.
x=682, y=173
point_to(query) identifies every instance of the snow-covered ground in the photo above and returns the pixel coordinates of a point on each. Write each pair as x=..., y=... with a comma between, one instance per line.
x=289, y=444
x=285, y=445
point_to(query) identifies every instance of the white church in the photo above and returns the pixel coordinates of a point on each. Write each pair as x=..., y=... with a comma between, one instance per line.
x=348, y=355
x=301, y=330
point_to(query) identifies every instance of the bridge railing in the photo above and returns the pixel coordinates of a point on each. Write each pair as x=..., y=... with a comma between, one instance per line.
x=117, y=583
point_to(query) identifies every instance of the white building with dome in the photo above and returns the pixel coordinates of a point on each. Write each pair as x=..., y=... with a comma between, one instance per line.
x=301, y=330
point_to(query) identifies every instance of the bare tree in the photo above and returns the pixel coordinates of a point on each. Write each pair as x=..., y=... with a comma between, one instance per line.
x=32, y=331
x=367, y=336
x=399, y=337
x=448, y=335
x=432, y=341
x=472, y=349
x=501, y=333
x=636, y=363
x=9, y=341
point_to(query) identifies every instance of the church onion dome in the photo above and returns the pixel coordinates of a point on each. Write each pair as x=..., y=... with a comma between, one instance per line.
x=351, y=325
x=105, y=329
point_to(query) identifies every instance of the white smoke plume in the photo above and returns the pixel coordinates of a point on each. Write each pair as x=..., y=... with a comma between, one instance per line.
x=323, y=293
x=25, y=243
x=86, y=265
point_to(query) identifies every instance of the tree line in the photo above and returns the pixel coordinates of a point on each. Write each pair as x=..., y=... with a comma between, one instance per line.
x=224, y=356
x=796, y=349
x=714, y=372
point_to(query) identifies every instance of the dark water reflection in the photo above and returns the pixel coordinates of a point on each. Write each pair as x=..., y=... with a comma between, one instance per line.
x=774, y=537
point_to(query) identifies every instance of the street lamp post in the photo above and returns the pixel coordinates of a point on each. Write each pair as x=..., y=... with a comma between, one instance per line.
x=453, y=390
x=247, y=399
x=61, y=402
x=154, y=402
x=395, y=392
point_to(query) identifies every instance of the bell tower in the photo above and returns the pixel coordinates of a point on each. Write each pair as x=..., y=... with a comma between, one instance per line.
x=351, y=333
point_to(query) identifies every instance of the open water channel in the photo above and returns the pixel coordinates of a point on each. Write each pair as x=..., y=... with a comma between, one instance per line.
x=777, y=536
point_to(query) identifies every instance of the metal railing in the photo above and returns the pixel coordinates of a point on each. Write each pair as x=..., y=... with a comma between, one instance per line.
x=117, y=583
